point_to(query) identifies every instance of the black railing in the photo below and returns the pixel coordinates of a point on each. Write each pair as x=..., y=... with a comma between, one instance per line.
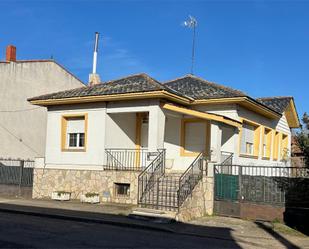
x=127, y=159
x=149, y=178
x=190, y=178
x=226, y=158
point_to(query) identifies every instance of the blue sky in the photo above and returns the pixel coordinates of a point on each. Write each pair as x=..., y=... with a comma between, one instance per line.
x=259, y=47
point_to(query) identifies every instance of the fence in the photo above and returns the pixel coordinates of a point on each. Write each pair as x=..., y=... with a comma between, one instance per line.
x=15, y=173
x=261, y=184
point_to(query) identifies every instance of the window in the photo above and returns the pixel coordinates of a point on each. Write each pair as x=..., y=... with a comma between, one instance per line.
x=284, y=148
x=194, y=134
x=249, y=139
x=276, y=145
x=122, y=189
x=73, y=132
x=266, y=143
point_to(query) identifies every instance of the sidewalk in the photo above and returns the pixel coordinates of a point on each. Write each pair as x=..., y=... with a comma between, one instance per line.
x=247, y=234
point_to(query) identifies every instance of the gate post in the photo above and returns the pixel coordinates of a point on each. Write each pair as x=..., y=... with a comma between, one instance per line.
x=21, y=172
x=239, y=183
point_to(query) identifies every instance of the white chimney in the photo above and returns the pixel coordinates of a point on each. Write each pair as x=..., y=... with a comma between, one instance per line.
x=94, y=78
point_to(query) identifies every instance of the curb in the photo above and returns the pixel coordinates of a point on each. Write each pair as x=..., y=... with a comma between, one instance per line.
x=81, y=219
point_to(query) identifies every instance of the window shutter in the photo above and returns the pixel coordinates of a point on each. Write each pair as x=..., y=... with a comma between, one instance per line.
x=195, y=136
x=76, y=126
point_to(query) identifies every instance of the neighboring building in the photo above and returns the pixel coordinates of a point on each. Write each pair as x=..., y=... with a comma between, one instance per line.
x=23, y=126
x=297, y=155
x=100, y=138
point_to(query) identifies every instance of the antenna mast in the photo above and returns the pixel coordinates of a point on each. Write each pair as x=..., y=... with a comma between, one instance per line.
x=192, y=23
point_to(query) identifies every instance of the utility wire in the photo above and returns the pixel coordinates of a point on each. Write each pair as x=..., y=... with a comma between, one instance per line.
x=22, y=110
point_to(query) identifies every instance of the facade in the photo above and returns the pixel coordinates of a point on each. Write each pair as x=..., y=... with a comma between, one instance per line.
x=117, y=137
x=23, y=126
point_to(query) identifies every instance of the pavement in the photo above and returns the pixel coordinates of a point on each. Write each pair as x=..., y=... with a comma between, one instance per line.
x=246, y=234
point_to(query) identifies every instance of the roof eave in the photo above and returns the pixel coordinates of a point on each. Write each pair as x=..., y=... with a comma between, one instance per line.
x=243, y=101
x=112, y=97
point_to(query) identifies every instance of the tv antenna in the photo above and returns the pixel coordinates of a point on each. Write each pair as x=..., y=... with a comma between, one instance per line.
x=191, y=23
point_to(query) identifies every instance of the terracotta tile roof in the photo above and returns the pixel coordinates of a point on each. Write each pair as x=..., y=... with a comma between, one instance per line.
x=279, y=104
x=198, y=88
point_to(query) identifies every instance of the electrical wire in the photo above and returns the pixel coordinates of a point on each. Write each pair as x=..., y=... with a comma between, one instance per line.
x=23, y=110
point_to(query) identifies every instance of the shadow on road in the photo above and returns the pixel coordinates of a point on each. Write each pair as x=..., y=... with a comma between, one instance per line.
x=176, y=234
x=277, y=236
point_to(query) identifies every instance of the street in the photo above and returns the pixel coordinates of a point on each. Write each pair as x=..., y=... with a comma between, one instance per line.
x=26, y=231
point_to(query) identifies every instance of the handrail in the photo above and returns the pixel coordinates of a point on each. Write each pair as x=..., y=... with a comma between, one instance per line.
x=228, y=159
x=190, y=178
x=148, y=176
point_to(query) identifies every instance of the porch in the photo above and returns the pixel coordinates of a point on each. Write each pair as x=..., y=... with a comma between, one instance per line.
x=135, y=137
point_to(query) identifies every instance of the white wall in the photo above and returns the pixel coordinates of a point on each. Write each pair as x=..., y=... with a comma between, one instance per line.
x=93, y=157
x=22, y=125
x=172, y=144
x=120, y=130
x=279, y=125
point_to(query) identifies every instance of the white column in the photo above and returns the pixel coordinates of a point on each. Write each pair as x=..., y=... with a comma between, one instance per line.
x=156, y=126
x=215, y=142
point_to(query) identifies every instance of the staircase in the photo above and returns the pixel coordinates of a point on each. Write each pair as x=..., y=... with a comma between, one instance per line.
x=167, y=191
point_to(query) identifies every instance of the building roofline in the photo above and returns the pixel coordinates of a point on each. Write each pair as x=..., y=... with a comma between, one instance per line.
x=46, y=60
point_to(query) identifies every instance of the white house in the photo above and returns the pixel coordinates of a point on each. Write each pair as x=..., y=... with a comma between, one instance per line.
x=101, y=137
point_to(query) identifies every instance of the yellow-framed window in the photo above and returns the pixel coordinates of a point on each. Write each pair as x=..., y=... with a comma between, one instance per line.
x=74, y=132
x=267, y=137
x=194, y=137
x=249, y=139
x=276, y=145
x=284, y=151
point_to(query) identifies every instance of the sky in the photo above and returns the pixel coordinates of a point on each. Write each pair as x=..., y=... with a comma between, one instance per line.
x=259, y=47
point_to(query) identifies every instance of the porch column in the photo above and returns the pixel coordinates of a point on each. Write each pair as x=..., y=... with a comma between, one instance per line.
x=215, y=142
x=156, y=127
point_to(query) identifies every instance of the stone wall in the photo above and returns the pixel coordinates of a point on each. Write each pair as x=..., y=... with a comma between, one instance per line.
x=199, y=203
x=79, y=182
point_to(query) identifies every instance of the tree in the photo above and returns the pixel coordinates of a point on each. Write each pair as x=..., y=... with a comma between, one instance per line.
x=303, y=138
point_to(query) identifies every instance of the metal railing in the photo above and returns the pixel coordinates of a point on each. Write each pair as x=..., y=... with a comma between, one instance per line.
x=261, y=184
x=149, y=178
x=226, y=158
x=127, y=159
x=16, y=172
x=190, y=178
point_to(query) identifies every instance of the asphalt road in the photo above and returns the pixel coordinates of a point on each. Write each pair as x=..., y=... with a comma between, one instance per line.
x=26, y=231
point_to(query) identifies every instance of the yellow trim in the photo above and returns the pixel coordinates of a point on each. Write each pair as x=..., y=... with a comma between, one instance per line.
x=202, y=115
x=113, y=97
x=291, y=115
x=283, y=144
x=276, y=145
x=242, y=101
x=138, y=135
x=256, y=139
x=268, y=142
x=64, y=122
x=184, y=122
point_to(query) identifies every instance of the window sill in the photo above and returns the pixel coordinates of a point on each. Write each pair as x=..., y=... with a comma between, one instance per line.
x=73, y=150
x=249, y=156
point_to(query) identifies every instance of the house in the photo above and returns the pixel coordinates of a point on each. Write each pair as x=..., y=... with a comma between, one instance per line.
x=23, y=126
x=136, y=140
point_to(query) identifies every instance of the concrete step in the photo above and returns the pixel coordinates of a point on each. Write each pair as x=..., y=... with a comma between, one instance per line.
x=160, y=216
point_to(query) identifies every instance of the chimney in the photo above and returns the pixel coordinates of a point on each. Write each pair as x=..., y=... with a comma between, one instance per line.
x=10, y=53
x=94, y=78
